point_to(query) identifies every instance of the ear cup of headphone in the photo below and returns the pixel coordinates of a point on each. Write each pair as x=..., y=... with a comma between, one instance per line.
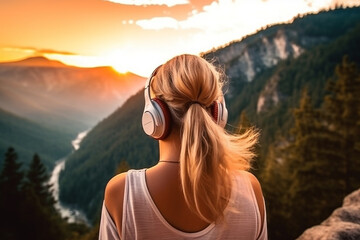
x=156, y=119
x=219, y=113
x=165, y=115
x=215, y=111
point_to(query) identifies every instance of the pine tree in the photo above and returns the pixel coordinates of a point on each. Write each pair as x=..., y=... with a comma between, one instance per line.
x=11, y=176
x=11, y=196
x=40, y=209
x=298, y=158
x=342, y=113
x=275, y=186
x=38, y=180
x=316, y=184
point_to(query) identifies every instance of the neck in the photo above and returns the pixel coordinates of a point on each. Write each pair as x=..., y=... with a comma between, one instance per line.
x=169, y=161
x=169, y=148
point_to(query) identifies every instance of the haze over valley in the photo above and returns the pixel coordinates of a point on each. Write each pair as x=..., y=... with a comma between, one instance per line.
x=59, y=99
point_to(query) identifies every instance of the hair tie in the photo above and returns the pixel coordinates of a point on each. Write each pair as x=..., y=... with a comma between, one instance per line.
x=195, y=102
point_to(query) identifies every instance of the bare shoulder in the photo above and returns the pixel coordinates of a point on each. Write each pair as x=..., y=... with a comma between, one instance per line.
x=256, y=187
x=258, y=194
x=114, y=188
x=114, y=197
x=254, y=182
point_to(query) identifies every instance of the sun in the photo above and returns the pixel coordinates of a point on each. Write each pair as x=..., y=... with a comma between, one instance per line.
x=120, y=69
x=118, y=59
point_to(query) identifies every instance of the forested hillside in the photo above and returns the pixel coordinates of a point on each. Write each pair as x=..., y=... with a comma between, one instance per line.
x=116, y=139
x=28, y=137
x=266, y=82
x=257, y=61
x=279, y=88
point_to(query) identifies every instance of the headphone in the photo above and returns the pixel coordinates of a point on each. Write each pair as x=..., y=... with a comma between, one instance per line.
x=156, y=118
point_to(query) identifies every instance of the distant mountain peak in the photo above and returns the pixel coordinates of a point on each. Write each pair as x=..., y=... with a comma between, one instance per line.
x=37, y=61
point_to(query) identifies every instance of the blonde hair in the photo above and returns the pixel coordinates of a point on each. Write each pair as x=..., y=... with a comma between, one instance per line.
x=209, y=155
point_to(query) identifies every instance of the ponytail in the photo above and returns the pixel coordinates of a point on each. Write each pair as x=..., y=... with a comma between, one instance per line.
x=208, y=154
x=202, y=165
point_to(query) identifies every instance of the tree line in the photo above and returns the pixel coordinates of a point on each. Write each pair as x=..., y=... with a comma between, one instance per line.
x=311, y=169
x=27, y=205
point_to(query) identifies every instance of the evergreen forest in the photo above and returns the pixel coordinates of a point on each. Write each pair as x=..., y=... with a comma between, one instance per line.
x=27, y=204
x=310, y=169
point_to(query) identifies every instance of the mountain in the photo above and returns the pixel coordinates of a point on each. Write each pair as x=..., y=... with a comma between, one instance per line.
x=246, y=59
x=266, y=73
x=36, y=62
x=28, y=138
x=63, y=97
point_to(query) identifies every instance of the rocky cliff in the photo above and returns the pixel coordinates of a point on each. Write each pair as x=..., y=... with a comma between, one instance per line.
x=244, y=59
x=343, y=223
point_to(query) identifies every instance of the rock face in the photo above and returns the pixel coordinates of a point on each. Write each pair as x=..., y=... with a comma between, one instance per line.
x=244, y=59
x=269, y=96
x=343, y=223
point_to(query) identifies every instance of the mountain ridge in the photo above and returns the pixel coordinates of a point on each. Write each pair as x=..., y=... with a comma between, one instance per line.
x=39, y=89
x=36, y=61
x=245, y=58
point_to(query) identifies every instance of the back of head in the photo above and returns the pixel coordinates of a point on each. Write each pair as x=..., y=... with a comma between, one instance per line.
x=184, y=80
x=190, y=86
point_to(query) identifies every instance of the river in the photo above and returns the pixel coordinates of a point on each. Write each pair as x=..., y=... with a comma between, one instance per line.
x=72, y=215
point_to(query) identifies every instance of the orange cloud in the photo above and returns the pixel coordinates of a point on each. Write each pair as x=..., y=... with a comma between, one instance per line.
x=35, y=51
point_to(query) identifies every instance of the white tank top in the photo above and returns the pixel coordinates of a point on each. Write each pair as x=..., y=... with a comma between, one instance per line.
x=142, y=219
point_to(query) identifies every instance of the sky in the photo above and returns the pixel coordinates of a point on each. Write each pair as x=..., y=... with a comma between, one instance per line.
x=136, y=35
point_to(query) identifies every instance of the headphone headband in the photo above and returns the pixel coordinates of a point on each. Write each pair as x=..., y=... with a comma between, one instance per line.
x=148, y=81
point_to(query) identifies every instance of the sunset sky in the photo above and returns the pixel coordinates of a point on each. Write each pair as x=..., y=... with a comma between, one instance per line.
x=136, y=35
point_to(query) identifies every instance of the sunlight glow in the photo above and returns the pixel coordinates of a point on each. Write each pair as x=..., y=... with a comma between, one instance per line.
x=115, y=59
x=118, y=60
x=77, y=60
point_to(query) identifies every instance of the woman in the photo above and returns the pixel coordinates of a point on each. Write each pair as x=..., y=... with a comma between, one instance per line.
x=200, y=188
